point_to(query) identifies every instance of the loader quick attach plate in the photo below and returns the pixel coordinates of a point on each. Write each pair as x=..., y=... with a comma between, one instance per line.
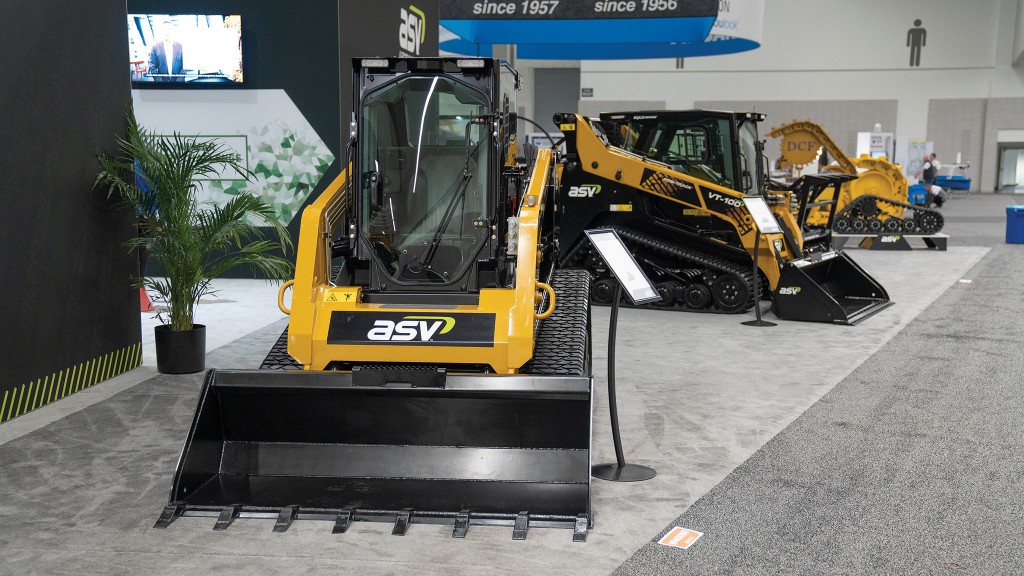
x=479, y=449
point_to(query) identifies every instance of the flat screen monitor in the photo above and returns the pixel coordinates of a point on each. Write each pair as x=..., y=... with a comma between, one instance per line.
x=185, y=50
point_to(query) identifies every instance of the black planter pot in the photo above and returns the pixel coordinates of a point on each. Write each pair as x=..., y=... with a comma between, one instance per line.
x=180, y=351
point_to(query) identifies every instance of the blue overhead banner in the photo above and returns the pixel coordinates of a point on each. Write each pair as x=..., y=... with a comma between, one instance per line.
x=603, y=29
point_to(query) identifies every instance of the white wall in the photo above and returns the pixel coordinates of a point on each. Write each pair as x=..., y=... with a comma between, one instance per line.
x=825, y=50
x=833, y=50
x=1018, y=36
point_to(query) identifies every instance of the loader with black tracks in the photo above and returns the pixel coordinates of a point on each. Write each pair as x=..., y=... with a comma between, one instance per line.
x=436, y=365
x=673, y=185
x=875, y=202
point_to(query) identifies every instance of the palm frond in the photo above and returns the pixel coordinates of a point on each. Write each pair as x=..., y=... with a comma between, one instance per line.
x=192, y=242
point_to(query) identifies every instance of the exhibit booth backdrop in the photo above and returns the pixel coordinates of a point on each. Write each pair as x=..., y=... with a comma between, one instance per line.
x=70, y=314
x=289, y=119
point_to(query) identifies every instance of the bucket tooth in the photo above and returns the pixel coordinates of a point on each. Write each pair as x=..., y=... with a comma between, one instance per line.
x=402, y=522
x=344, y=520
x=521, y=526
x=285, y=518
x=171, y=513
x=579, y=531
x=461, y=524
x=227, y=516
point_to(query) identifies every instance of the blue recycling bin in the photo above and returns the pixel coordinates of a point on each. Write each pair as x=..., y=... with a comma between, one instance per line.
x=1015, y=224
x=916, y=194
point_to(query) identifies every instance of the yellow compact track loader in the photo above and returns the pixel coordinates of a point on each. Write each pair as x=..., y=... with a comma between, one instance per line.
x=436, y=365
x=672, y=184
x=875, y=202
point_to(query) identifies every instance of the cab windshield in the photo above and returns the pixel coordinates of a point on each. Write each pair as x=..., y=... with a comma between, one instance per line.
x=750, y=158
x=424, y=145
x=698, y=148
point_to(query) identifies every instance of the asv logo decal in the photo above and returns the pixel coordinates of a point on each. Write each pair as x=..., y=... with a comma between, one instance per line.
x=789, y=290
x=585, y=191
x=410, y=328
x=412, y=30
x=726, y=199
x=895, y=238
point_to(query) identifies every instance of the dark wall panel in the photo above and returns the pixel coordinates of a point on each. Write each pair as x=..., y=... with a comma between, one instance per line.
x=376, y=29
x=70, y=317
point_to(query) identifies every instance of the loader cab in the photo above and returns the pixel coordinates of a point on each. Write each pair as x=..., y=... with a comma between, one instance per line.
x=719, y=147
x=431, y=137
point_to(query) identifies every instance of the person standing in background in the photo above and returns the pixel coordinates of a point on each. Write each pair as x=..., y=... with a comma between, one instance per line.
x=929, y=170
x=936, y=194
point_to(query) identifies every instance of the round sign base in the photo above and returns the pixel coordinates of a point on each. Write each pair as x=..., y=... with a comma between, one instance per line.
x=627, y=473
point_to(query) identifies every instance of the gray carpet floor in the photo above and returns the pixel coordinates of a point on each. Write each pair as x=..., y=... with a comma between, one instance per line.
x=913, y=464
x=79, y=495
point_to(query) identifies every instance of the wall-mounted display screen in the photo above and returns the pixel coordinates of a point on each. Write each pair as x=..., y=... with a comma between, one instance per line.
x=184, y=49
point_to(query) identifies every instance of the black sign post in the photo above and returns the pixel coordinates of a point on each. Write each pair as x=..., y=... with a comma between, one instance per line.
x=640, y=291
x=764, y=223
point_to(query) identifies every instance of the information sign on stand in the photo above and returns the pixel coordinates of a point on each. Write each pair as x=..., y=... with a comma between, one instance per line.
x=640, y=290
x=765, y=223
x=613, y=251
x=762, y=215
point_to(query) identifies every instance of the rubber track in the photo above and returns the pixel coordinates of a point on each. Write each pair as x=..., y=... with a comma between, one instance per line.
x=561, y=344
x=704, y=259
x=278, y=358
x=917, y=211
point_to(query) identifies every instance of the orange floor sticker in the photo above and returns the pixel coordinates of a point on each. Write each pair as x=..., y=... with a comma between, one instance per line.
x=679, y=537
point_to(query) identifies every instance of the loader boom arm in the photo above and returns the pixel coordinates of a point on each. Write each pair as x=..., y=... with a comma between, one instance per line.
x=795, y=151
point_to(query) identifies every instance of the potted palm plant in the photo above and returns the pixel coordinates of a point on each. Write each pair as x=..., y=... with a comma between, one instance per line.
x=192, y=242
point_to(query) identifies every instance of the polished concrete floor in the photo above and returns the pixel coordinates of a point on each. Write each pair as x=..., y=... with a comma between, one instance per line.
x=82, y=481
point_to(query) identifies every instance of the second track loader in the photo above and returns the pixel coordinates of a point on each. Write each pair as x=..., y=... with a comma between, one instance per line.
x=672, y=184
x=436, y=366
x=875, y=202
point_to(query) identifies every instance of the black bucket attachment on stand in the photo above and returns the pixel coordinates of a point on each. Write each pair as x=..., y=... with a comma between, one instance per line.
x=462, y=449
x=827, y=287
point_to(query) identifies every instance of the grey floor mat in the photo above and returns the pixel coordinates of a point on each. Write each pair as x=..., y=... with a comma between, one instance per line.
x=914, y=464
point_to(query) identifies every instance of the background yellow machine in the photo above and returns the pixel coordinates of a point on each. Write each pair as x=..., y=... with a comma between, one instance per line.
x=672, y=184
x=436, y=366
x=875, y=202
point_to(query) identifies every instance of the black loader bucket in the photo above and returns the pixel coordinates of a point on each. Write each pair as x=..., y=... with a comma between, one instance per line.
x=827, y=287
x=377, y=446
